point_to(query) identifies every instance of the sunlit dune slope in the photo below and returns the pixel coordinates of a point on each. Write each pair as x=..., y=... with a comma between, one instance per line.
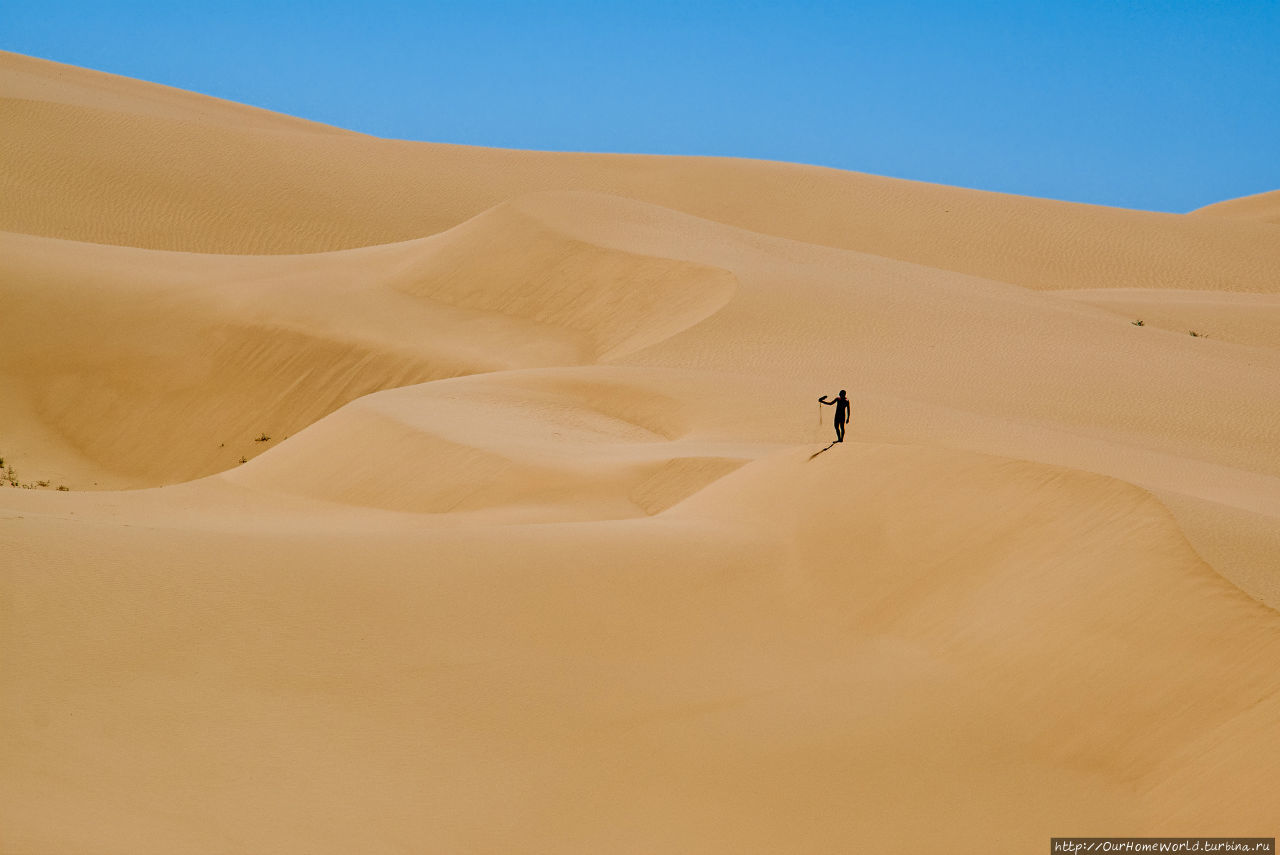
x=811, y=653
x=515, y=446
x=433, y=498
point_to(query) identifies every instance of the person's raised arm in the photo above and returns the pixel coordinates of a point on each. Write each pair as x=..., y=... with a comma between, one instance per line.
x=823, y=400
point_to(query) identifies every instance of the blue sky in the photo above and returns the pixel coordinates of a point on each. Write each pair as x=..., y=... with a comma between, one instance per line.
x=1158, y=105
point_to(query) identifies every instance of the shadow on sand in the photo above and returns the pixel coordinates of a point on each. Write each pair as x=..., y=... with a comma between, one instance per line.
x=819, y=451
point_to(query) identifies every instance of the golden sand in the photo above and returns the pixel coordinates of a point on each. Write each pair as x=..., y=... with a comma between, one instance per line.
x=539, y=546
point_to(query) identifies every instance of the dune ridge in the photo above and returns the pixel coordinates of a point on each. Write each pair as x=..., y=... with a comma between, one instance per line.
x=461, y=499
x=1260, y=207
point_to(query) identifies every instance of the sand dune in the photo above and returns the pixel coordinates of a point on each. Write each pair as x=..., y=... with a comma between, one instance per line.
x=539, y=544
x=236, y=182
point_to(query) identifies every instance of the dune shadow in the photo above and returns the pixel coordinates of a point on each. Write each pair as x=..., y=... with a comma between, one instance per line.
x=819, y=451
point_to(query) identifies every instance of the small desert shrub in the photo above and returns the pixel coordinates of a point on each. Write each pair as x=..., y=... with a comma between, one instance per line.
x=263, y=438
x=242, y=459
x=63, y=488
x=1138, y=322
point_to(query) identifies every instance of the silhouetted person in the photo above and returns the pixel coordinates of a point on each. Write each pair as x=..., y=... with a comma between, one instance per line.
x=842, y=413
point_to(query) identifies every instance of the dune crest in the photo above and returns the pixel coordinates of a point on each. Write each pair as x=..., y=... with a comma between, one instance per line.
x=1260, y=207
x=506, y=262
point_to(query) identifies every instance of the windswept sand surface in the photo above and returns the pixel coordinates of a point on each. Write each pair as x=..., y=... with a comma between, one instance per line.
x=539, y=546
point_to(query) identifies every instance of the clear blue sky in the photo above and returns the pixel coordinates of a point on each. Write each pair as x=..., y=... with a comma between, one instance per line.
x=1157, y=105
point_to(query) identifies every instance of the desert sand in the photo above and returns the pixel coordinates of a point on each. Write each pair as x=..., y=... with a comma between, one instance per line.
x=540, y=544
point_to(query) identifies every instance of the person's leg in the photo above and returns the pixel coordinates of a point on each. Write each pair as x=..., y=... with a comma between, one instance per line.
x=839, y=430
